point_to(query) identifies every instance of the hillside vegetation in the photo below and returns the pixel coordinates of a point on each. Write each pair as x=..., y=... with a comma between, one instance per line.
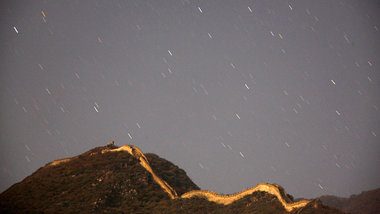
x=112, y=179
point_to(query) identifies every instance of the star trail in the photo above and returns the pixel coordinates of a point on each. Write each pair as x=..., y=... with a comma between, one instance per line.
x=234, y=92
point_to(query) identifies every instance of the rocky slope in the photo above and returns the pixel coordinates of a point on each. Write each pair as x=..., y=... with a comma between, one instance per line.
x=114, y=179
x=365, y=203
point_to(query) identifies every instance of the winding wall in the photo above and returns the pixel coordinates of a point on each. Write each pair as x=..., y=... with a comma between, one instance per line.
x=272, y=189
x=136, y=152
x=228, y=199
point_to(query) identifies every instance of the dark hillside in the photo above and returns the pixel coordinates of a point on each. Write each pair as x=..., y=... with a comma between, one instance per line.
x=172, y=174
x=88, y=183
x=365, y=203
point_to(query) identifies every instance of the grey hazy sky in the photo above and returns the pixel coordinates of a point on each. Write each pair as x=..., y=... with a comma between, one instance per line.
x=234, y=92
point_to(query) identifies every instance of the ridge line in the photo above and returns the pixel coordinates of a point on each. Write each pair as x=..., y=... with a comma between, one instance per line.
x=272, y=189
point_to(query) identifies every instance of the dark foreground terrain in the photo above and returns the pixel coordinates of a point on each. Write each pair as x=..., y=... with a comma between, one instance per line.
x=367, y=202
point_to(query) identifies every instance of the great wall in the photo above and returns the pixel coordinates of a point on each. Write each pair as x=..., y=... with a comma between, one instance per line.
x=136, y=152
x=272, y=189
x=264, y=187
x=56, y=162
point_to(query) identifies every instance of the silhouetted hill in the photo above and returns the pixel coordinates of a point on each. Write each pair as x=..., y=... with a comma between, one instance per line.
x=365, y=203
x=112, y=179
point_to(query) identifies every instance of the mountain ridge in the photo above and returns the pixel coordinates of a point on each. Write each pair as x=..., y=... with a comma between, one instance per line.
x=209, y=195
x=123, y=180
x=364, y=203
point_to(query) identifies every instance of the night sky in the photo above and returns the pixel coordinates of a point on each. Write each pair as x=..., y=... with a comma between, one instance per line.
x=234, y=92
